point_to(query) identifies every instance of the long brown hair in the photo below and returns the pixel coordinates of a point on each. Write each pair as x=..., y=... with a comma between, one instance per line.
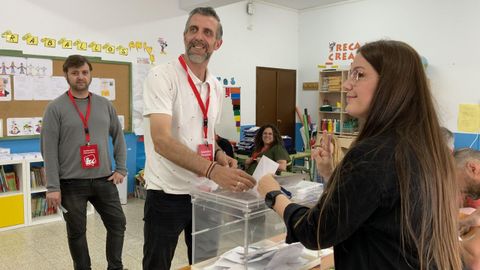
x=403, y=105
x=277, y=138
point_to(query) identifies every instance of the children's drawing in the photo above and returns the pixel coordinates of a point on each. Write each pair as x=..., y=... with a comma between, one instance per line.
x=163, y=45
x=4, y=69
x=5, y=89
x=23, y=126
x=12, y=68
x=103, y=87
x=39, y=67
x=12, y=128
x=22, y=68
x=38, y=126
x=10, y=65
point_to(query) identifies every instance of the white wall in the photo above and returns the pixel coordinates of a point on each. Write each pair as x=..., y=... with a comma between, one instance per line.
x=443, y=31
x=269, y=38
x=271, y=42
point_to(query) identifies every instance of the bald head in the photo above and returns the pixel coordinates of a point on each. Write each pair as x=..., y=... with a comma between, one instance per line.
x=464, y=155
x=468, y=170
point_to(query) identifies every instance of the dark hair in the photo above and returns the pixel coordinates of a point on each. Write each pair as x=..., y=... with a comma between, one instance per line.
x=402, y=105
x=277, y=138
x=75, y=61
x=206, y=11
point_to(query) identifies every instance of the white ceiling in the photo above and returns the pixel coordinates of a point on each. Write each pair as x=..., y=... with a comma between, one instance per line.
x=106, y=14
x=304, y=4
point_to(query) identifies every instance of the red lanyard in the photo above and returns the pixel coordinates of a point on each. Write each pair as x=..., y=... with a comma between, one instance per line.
x=205, y=106
x=83, y=118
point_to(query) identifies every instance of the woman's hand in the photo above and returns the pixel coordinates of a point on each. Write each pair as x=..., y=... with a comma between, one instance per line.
x=266, y=184
x=249, y=161
x=282, y=165
x=322, y=154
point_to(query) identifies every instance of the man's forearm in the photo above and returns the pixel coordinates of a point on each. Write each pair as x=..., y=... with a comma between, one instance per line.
x=181, y=155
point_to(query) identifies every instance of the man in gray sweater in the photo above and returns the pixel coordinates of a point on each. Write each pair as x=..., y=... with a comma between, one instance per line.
x=74, y=144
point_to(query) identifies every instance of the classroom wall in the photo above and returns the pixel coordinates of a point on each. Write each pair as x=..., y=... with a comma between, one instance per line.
x=245, y=46
x=444, y=32
x=268, y=38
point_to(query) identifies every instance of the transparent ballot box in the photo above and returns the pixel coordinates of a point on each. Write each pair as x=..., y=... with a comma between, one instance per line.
x=239, y=224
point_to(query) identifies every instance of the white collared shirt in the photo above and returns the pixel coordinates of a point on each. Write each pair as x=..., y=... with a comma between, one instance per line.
x=166, y=90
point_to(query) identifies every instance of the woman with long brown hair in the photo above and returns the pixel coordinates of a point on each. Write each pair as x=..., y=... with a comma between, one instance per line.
x=392, y=201
x=268, y=142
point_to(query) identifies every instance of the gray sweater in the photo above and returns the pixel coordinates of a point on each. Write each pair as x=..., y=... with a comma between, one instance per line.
x=62, y=135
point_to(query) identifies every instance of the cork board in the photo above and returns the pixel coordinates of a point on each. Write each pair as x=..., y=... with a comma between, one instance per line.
x=119, y=71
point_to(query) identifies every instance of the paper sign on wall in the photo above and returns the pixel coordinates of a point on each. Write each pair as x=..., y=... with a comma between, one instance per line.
x=469, y=118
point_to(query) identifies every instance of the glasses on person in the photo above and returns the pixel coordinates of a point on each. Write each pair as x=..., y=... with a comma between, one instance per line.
x=356, y=75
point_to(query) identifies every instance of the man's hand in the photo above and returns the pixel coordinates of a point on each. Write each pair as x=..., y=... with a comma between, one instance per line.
x=54, y=199
x=232, y=179
x=223, y=159
x=470, y=218
x=116, y=178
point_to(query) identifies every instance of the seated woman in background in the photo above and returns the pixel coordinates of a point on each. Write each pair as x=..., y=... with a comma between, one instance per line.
x=268, y=142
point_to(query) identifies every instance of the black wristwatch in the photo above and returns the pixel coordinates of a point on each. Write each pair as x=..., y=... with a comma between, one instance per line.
x=271, y=196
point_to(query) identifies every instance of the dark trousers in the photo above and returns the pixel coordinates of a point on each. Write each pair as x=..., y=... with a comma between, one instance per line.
x=103, y=195
x=165, y=216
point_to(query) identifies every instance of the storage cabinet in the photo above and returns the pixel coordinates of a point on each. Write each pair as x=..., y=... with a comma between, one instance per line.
x=12, y=199
x=23, y=203
x=332, y=114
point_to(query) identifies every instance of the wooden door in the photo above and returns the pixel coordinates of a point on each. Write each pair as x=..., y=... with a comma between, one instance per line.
x=276, y=99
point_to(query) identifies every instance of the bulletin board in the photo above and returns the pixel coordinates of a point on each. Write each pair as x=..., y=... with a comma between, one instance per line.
x=121, y=72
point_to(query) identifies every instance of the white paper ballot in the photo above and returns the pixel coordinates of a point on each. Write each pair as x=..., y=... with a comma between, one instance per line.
x=286, y=255
x=264, y=167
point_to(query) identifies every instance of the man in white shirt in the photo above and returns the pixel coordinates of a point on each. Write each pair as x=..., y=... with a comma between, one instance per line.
x=182, y=103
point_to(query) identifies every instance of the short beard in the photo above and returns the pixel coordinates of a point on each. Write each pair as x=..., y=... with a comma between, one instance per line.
x=473, y=191
x=72, y=86
x=195, y=58
x=198, y=59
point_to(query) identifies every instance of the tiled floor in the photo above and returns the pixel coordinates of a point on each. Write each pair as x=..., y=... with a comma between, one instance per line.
x=45, y=246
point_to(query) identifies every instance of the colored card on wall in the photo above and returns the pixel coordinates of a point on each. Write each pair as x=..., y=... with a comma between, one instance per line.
x=469, y=118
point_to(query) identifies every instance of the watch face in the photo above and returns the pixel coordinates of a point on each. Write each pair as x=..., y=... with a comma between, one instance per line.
x=270, y=197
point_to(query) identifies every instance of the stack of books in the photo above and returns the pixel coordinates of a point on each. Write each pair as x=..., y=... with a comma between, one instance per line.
x=8, y=181
x=334, y=83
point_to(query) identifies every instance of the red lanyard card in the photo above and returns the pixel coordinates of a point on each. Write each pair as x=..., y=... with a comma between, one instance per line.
x=206, y=151
x=89, y=156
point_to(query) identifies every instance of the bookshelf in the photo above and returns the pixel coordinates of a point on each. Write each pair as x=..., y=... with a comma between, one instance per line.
x=332, y=101
x=38, y=212
x=26, y=205
x=12, y=199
